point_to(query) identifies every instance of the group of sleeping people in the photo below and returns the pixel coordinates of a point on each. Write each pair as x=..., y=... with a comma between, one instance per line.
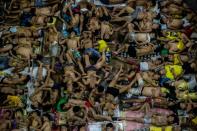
x=67, y=64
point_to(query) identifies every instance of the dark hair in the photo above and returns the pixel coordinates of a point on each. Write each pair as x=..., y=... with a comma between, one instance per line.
x=176, y=118
x=166, y=59
x=75, y=84
x=110, y=125
x=47, y=115
x=50, y=19
x=100, y=88
x=37, y=112
x=8, y=111
x=19, y=110
x=76, y=109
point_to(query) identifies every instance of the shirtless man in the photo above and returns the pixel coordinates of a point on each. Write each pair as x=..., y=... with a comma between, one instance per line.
x=5, y=122
x=42, y=20
x=73, y=46
x=47, y=11
x=139, y=37
x=147, y=91
x=147, y=25
x=106, y=30
x=6, y=48
x=46, y=124
x=34, y=121
x=10, y=90
x=87, y=44
x=94, y=25
x=75, y=22
x=15, y=79
x=171, y=23
x=70, y=76
x=136, y=52
x=92, y=79
x=159, y=120
x=147, y=78
x=22, y=32
x=112, y=1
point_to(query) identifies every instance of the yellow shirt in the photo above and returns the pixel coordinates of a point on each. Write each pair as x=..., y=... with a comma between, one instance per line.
x=195, y=120
x=53, y=23
x=180, y=45
x=177, y=71
x=177, y=59
x=102, y=45
x=176, y=36
x=183, y=85
x=155, y=128
x=14, y=100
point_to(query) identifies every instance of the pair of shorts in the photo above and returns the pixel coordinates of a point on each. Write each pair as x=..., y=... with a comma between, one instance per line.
x=54, y=49
x=192, y=83
x=132, y=51
x=4, y=63
x=92, y=52
x=136, y=91
x=76, y=54
x=105, y=2
x=140, y=83
x=144, y=66
x=40, y=3
x=147, y=120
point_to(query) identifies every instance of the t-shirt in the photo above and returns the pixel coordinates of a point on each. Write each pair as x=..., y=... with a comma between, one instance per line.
x=177, y=70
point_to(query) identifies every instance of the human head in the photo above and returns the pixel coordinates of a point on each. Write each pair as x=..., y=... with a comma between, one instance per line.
x=72, y=34
x=76, y=109
x=100, y=88
x=184, y=58
x=7, y=113
x=162, y=72
x=170, y=119
x=156, y=76
x=46, y=117
x=183, y=105
x=109, y=127
x=166, y=46
x=193, y=66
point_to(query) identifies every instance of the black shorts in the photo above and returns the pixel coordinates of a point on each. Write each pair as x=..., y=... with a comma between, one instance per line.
x=113, y=91
x=105, y=1
x=132, y=51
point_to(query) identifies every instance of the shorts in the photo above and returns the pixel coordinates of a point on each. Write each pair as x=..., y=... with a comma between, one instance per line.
x=54, y=49
x=137, y=11
x=144, y=66
x=76, y=54
x=105, y=1
x=140, y=83
x=92, y=52
x=13, y=29
x=26, y=19
x=76, y=30
x=66, y=17
x=64, y=31
x=136, y=91
x=132, y=51
x=163, y=26
x=132, y=36
x=147, y=120
x=4, y=63
x=192, y=83
x=40, y=3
